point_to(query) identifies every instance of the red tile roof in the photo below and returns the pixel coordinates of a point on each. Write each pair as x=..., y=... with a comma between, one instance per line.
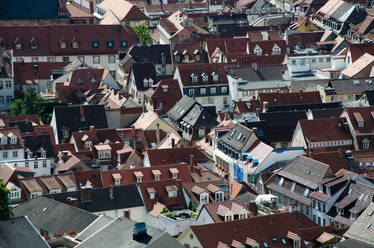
x=335, y=159
x=326, y=129
x=81, y=177
x=275, y=99
x=172, y=203
x=365, y=113
x=248, y=60
x=359, y=49
x=148, y=176
x=259, y=228
x=176, y=155
x=48, y=39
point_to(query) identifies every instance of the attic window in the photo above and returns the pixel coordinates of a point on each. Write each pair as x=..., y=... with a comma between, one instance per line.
x=18, y=46
x=194, y=78
x=232, y=133
x=95, y=44
x=3, y=140
x=34, y=45
x=205, y=77
x=281, y=181
x=75, y=44
x=215, y=76
x=110, y=43
x=124, y=43
x=88, y=144
x=13, y=139
x=306, y=192
x=240, y=136
x=62, y=44
x=293, y=186
x=367, y=226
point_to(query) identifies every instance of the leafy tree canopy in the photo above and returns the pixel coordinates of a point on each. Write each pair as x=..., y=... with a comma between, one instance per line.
x=5, y=209
x=143, y=33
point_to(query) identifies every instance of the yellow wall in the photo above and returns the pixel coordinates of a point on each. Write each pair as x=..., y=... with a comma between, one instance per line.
x=307, y=26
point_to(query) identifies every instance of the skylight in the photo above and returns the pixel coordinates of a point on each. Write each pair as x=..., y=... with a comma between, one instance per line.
x=284, y=242
x=367, y=226
x=240, y=136
x=293, y=186
x=232, y=133
x=306, y=192
x=371, y=213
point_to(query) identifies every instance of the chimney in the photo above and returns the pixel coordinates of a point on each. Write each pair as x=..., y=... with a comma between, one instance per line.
x=254, y=66
x=172, y=142
x=82, y=112
x=192, y=160
x=92, y=129
x=311, y=153
x=133, y=135
x=86, y=195
x=72, y=201
x=158, y=133
x=111, y=196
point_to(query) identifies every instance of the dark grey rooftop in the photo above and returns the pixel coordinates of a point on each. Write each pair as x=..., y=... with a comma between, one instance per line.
x=95, y=226
x=119, y=234
x=54, y=216
x=19, y=233
x=181, y=108
x=238, y=137
x=263, y=73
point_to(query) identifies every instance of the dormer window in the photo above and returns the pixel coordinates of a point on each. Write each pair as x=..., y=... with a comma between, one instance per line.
x=205, y=77
x=365, y=144
x=174, y=173
x=150, y=81
x=43, y=153
x=172, y=191
x=34, y=45
x=117, y=179
x=66, y=133
x=219, y=196
x=156, y=174
x=139, y=176
x=88, y=144
x=13, y=139
x=215, y=76
x=4, y=140
x=75, y=44
x=194, y=78
x=62, y=44
x=110, y=43
x=257, y=50
x=18, y=46
x=152, y=193
x=276, y=50
x=204, y=198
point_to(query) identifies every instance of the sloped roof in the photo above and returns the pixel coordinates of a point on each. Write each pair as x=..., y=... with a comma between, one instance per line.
x=43, y=213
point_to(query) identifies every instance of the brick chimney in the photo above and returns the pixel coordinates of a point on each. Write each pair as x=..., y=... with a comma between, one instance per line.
x=86, y=195
x=192, y=160
x=158, y=133
x=172, y=142
x=82, y=113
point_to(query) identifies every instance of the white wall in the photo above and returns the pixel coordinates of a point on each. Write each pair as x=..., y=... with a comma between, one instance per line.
x=136, y=213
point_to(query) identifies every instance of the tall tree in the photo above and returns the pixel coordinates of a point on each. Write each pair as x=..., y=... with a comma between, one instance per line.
x=143, y=33
x=32, y=101
x=5, y=209
x=17, y=107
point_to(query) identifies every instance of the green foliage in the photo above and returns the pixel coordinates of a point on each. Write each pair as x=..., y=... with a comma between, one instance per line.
x=5, y=209
x=191, y=206
x=32, y=103
x=143, y=33
x=164, y=210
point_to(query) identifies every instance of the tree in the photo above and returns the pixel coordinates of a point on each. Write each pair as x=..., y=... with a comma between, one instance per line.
x=143, y=33
x=32, y=101
x=5, y=209
x=17, y=107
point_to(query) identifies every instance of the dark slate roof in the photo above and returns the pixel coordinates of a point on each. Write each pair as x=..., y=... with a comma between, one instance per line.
x=237, y=137
x=119, y=234
x=305, y=106
x=263, y=73
x=350, y=86
x=23, y=125
x=143, y=71
x=152, y=53
x=57, y=217
x=124, y=196
x=35, y=142
x=19, y=232
x=70, y=117
x=181, y=108
x=281, y=125
x=306, y=171
x=25, y=9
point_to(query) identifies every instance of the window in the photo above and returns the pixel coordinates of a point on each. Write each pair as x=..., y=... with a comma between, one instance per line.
x=302, y=62
x=18, y=46
x=225, y=100
x=110, y=43
x=35, y=59
x=5, y=154
x=81, y=59
x=34, y=45
x=104, y=154
x=75, y=44
x=293, y=62
x=293, y=186
x=95, y=44
x=88, y=144
x=281, y=181
x=15, y=154
x=9, y=99
x=35, y=165
x=320, y=60
x=191, y=92
x=124, y=43
x=4, y=140
x=96, y=59
x=111, y=59
x=205, y=77
x=66, y=59
x=63, y=45
x=50, y=59
x=202, y=91
x=223, y=89
x=138, y=179
x=215, y=76
x=365, y=144
x=44, y=164
x=306, y=192
x=313, y=60
x=8, y=84
x=213, y=90
x=193, y=78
